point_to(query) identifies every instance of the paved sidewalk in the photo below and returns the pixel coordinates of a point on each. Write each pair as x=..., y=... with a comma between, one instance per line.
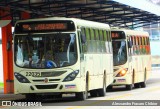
x=10, y=96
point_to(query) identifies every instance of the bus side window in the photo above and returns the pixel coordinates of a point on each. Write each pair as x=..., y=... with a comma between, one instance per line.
x=109, y=41
x=88, y=44
x=94, y=42
x=101, y=41
x=97, y=40
x=106, y=41
x=148, y=45
x=143, y=45
x=92, y=38
x=83, y=35
x=129, y=49
x=132, y=49
x=137, y=45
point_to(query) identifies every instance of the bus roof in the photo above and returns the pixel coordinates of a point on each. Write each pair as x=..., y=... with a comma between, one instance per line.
x=132, y=32
x=78, y=22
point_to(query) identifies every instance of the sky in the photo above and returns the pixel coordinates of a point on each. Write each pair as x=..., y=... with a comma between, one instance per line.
x=143, y=4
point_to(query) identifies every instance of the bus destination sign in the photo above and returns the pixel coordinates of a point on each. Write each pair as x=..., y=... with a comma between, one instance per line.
x=51, y=26
x=117, y=35
x=44, y=26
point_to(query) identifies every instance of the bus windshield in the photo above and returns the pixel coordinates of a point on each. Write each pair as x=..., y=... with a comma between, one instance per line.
x=119, y=52
x=45, y=50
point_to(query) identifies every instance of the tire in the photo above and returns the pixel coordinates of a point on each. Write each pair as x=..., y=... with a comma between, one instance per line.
x=143, y=84
x=94, y=93
x=83, y=95
x=102, y=91
x=137, y=85
x=129, y=87
x=109, y=87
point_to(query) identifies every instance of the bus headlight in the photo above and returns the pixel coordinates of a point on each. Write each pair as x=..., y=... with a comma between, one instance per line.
x=71, y=76
x=21, y=78
x=122, y=72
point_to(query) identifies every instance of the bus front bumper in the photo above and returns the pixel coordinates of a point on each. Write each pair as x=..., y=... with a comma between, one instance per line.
x=60, y=87
x=126, y=80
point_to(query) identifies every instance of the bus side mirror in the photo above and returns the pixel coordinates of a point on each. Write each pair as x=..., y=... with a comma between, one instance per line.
x=130, y=44
x=83, y=38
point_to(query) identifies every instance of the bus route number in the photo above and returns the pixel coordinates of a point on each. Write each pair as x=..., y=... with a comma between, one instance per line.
x=33, y=74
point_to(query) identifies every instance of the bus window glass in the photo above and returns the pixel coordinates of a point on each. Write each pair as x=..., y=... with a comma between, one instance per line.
x=92, y=34
x=136, y=46
x=110, y=43
x=105, y=36
x=83, y=33
x=98, y=42
x=94, y=44
x=119, y=52
x=45, y=50
x=87, y=34
x=102, y=42
x=89, y=43
x=106, y=41
x=101, y=35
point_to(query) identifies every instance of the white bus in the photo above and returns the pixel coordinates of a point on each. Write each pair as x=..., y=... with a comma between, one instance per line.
x=62, y=55
x=132, y=58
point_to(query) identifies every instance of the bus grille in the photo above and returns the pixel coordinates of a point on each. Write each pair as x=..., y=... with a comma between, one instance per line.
x=50, y=80
x=53, y=86
x=52, y=74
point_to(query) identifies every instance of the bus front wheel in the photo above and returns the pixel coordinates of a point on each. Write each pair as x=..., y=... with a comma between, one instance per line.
x=83, y=95
x=143, y=84
x=102, y=91
x=129, y=86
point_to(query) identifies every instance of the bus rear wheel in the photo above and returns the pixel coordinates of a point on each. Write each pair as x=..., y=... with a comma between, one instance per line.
x=137, y=85
x=94, y=93
x=143, y=84
x=129, y=87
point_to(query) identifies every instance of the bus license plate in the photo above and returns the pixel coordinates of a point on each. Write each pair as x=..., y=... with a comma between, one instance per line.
x=33, y=74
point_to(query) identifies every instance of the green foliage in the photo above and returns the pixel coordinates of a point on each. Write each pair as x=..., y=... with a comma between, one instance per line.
x=1, y=85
